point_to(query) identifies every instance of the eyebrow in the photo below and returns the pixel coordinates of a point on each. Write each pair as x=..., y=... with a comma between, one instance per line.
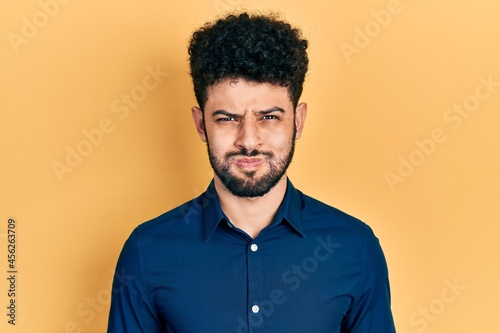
x=225, y=113
x=235, y=115
x=271, y=110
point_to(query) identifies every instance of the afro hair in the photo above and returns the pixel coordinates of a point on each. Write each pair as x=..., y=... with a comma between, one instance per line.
x=258, y=48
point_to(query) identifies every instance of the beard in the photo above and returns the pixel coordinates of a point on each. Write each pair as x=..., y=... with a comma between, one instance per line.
x=251, y=186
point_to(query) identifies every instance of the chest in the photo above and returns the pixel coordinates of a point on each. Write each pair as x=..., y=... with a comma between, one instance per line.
x=261, y=286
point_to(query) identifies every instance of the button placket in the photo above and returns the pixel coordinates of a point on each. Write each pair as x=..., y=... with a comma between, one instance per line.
x=255, y=285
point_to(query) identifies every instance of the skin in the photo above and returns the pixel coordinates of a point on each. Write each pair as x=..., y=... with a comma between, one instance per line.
x=253, y=116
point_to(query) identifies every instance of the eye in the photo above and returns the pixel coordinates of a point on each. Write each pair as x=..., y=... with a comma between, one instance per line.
x=269, y=117
x=224, y=119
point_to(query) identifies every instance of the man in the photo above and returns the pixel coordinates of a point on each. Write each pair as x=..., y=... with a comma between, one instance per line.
x=252, y=253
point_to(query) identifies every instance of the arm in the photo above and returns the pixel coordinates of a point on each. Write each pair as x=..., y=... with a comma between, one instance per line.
x=370, y=311
x=131, y=306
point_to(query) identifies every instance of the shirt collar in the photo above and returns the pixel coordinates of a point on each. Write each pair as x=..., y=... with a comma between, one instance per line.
x=212, y=212
x=290, y=210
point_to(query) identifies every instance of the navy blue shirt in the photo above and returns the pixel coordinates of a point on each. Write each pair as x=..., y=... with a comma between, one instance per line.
x=314, y=269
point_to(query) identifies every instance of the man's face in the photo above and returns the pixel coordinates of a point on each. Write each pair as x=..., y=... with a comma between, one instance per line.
x=250, y=130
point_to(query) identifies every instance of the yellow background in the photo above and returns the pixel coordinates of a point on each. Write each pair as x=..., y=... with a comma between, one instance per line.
x=439, y=224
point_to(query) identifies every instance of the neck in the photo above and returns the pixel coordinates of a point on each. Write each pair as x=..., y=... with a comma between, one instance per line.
x=251, y=214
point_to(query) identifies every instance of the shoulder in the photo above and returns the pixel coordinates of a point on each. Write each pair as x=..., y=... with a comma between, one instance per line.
x=357, y=248
x=318, y=212
x=177, y=220
x=357, y=239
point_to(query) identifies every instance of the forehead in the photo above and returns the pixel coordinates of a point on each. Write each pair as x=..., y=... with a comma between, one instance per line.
x=241, y=93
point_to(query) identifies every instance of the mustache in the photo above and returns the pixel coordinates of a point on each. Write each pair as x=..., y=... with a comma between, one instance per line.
x=249, y=153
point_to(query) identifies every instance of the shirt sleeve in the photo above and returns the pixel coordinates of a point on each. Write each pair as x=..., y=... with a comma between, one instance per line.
x=370, y=311
x=131, y=307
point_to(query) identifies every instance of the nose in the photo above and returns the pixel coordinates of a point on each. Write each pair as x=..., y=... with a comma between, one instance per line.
x=248, y=136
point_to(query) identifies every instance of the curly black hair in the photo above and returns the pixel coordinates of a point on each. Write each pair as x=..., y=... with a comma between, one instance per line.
x=258, y=48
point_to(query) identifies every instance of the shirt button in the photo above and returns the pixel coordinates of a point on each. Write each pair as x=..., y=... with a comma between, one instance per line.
x=254, y=247
x=255, y=309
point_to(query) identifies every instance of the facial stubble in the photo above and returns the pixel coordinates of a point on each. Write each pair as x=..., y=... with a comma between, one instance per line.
x=252, y=186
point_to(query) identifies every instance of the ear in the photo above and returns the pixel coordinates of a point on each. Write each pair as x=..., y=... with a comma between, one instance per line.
x=300, y=119
x=198, y=122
